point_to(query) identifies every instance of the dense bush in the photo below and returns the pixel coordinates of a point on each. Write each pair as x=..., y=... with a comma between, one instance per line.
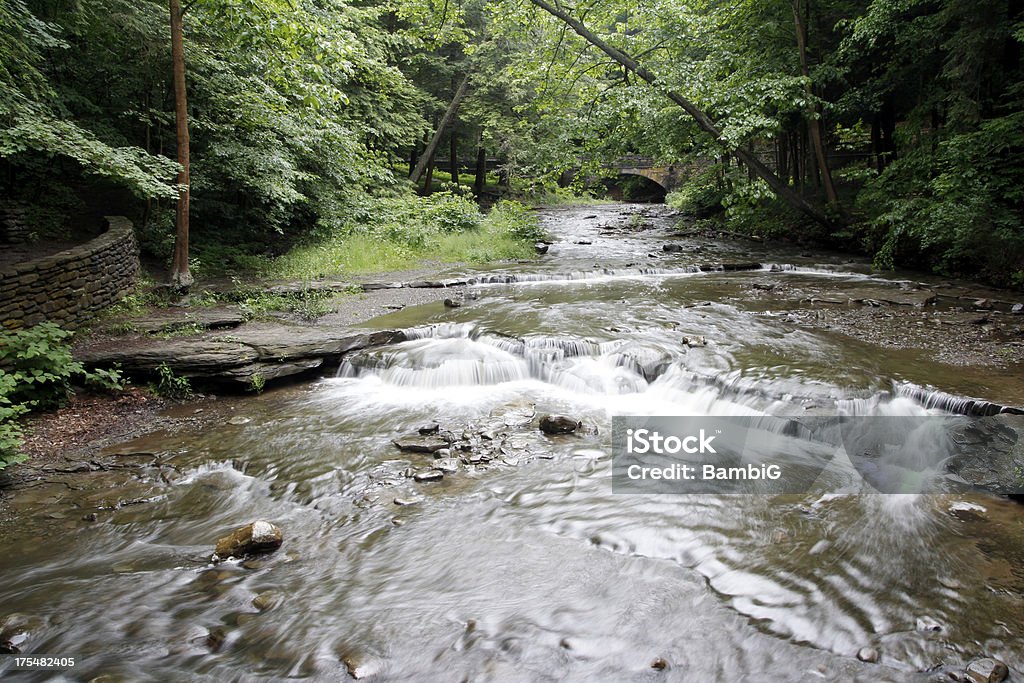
x=702, y=195
x=37, y=371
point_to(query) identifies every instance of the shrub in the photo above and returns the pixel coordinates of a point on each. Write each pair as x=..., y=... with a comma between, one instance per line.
x=447, y=212
x=516, y=220
x=10, y=431
x=37, y=371
x=170, y=385
x=701, y=195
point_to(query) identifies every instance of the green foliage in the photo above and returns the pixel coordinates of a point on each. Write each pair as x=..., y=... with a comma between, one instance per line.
x=448, y=212
x=170, y=385
x=959, y=204
x=257, y=382
x=256, y=303
x=702, y=195
x=40, y=361
x=516, y=220
x=10, y=430
x=37, y=371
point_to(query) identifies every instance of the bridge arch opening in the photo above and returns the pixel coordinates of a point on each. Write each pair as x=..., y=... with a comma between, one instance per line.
x=634, y=187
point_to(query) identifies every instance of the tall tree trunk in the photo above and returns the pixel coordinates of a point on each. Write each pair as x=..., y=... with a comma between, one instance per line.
x=428, y=154
x=453, y=153
x=181, y=278
x=814, y=126
x=481, y=171
x=777, y=185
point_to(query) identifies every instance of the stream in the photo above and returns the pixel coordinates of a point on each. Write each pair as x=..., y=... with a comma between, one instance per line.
x=526, y=566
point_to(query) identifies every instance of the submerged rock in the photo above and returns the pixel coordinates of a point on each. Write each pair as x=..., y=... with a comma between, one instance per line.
x=559, y=424
x=429, y=475
x=447, y=465
x=420, y=443
x=672, y=248
x=694, y=340
x=266, y=600
x=452, y=303
x=989, y=453
x=16, y=631
x=258, y=537
x=987, y=670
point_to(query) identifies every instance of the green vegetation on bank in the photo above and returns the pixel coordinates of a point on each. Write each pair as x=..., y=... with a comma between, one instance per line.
x=391, y=233
x=37, y=372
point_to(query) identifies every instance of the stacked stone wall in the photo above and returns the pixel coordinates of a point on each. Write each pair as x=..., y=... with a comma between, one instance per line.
x=71, y=287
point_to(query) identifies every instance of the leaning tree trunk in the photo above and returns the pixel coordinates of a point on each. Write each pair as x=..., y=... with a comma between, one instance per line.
x=817, y=135
x=180, y=276
x=778, y=186
x=428, y=154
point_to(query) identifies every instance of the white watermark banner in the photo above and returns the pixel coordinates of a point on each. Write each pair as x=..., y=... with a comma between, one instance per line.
x=775, y=455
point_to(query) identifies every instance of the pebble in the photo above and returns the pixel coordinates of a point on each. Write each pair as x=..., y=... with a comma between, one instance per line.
x=867, y=654
x=928, y=624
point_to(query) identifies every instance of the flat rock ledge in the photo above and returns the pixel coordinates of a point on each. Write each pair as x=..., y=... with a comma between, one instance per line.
x=266, y=351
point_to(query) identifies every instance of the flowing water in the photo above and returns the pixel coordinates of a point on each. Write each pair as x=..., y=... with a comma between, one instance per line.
x=528, y=567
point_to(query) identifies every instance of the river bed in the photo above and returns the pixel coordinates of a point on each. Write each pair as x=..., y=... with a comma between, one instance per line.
x=527, y=567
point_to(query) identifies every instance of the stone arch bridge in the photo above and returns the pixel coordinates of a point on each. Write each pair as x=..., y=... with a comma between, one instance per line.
x=669, y=177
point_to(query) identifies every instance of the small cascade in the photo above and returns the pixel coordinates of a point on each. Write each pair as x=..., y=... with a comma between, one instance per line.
x=582, y=275
x=459, y=354
x=958, y=405
x=792, y=268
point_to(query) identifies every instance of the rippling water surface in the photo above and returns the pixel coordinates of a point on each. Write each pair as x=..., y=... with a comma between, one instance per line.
x=529, y=568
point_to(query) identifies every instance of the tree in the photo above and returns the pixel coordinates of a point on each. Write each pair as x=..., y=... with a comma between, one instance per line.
x=449, y=114
x=702, y=120
x=181, y=278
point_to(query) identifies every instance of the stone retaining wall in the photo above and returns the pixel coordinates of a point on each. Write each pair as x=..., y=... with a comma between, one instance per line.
x=14, y=228
x=70, y=287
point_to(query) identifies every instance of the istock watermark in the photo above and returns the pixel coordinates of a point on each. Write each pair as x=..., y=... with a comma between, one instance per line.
x=775, y=455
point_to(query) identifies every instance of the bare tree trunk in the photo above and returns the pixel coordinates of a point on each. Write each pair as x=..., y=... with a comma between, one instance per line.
x=414, y=157
x=428, y=179
x=814, y=126
x=428, y=154
x=181, y=278
x=453, y=153
x=481, y=171
x=777, y=185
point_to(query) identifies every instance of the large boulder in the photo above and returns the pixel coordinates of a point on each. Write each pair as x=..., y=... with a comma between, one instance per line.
x=252, y=539
x=558, y=424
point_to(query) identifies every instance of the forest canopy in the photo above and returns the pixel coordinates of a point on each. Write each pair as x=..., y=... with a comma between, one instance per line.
x=893, y=127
